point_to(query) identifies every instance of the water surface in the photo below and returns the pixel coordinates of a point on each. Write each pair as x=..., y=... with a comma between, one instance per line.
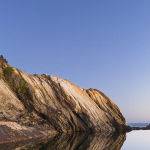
x=137, y=140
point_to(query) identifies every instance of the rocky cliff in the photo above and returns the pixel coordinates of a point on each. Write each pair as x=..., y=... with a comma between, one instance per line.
x=38, y=103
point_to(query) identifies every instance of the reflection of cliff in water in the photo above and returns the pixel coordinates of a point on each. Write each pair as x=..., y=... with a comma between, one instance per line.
x=74, y=142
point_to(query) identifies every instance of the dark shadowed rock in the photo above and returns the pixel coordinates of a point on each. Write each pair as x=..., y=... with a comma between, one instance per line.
x=76, y=141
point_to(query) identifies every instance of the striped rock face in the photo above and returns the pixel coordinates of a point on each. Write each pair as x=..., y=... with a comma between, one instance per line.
x=52, y=103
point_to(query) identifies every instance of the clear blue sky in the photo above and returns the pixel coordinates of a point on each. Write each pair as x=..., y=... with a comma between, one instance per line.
x=103, y=44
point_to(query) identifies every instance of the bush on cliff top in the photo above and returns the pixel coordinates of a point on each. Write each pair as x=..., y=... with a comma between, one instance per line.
x=8, y=71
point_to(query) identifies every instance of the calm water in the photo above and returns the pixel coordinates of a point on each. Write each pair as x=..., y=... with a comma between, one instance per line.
x=135, y=140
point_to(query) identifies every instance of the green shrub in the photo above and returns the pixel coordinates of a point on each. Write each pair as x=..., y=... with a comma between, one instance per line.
x=22, y=86
x=8, y=71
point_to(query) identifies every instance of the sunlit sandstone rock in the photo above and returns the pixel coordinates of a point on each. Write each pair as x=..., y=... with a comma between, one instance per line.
x=50, y=103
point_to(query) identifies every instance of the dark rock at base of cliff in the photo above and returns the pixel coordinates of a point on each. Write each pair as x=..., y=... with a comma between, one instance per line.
x=78, y=141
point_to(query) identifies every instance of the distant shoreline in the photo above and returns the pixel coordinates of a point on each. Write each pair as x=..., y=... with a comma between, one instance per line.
x=130, y=128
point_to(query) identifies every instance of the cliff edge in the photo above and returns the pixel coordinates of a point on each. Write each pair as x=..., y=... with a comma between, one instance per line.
x=33, y=106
